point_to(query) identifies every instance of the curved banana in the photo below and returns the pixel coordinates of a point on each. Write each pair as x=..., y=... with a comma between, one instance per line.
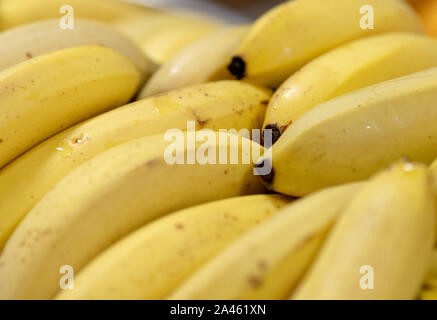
x=162, y=36
x=151, y=262
x=38, y=38
x=355, y=135
x=350, y=67
x=291, y=34
x=42, y=96
x=219, y=105
x=204, y=60
x=268, y=261
x=17, y=12
x=382, y=244
x=115, y=193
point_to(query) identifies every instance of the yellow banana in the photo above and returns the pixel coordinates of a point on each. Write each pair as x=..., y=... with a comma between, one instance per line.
x=115, y=193
x=355, y=135
x=38, y=38
x=204, y=60
x=350, y=67
x=151, y=262
x=382, y=244
x=162, y=36
x=219, y=105
x=295, y=32
x=42, y=96
x=17, y=12
x=268, y=261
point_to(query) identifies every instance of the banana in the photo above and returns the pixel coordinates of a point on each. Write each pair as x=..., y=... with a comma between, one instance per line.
x=171, y=38
x=350, y=67
x=17, y=12
x=115, y=193
x=38, y=38
x=44, y=95
x=295, y=32
x=163, y=35
x=386, y=228
x=219, y=105
x=353, y=136
x=151, y=262
x=203, y=61
x=268, y=261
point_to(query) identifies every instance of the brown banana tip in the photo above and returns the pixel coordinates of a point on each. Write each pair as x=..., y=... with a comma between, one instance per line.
x=265, y=165
x=237, y=67
x=276, y=132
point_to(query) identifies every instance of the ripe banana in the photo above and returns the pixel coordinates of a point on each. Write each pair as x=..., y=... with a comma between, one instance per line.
x=203, y=61
x=38, y=38
x=385, y=233
x=220, y=105
x=355, y=135
x=162, y=36
x=17, y=12
x=42, y=96
x=291, y=34
x=151, y=262
x=350, y=67
x=268, y=261
x=115, y=193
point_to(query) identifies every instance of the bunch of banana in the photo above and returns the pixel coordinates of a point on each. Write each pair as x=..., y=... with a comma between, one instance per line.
x=38, y=38
x=115, y=193
x=44, y=95
x=211, y=53
x=350, y=67
x=387, y=230
x=355, y=135
x=220, y=105
x=160, y=198
x=291, y=34
x=151, y=262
